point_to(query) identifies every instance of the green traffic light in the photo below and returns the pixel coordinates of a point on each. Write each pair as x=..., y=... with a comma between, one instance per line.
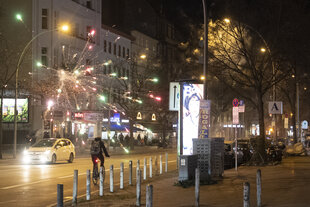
x=155, y=80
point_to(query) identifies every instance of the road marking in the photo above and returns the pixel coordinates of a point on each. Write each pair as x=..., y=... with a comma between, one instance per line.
x=24, y=184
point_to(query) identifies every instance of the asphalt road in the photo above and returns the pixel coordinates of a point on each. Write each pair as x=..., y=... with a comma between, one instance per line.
x=36, y=185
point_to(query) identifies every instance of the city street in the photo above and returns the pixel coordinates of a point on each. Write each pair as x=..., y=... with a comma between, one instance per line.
x=36, y=185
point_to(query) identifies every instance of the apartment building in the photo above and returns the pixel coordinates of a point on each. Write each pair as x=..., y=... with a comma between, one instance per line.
x=68, y=69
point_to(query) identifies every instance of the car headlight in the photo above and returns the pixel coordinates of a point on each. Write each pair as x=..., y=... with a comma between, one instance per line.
x=47, y=152
x=25, y=152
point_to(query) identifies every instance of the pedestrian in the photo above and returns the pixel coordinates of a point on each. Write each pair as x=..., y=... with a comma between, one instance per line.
x=121, y=138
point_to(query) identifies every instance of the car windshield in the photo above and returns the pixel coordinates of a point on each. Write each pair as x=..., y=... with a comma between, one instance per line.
x=45, y=143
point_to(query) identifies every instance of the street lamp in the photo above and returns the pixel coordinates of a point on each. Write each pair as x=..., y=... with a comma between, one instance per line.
x=21, y=57
x=205, y=48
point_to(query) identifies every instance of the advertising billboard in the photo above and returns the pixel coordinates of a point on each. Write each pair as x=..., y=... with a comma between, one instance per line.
x=8, y=110
x=192, y=94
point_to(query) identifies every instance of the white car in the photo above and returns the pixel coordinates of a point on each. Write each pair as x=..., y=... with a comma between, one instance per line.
x=50, y=150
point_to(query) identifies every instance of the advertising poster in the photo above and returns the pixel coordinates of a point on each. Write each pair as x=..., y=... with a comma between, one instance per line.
x=8, y=110
x=192, y=94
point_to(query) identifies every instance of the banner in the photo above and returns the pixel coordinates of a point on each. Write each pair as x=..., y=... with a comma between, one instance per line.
x=204, y=118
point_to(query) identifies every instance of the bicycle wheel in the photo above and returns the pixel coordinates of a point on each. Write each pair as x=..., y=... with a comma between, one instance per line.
x=95, y=174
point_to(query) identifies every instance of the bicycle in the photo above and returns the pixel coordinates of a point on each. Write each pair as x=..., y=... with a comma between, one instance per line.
x=96, y=175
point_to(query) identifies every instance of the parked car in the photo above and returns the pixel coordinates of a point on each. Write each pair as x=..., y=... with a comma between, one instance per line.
x=229, y=155
x=50, y=150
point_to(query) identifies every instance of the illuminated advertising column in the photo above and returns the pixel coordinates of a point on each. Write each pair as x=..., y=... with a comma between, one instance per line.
x=192, y=94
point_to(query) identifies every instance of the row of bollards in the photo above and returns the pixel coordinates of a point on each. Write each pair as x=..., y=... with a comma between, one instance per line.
x=246, y=191
x=149, y=188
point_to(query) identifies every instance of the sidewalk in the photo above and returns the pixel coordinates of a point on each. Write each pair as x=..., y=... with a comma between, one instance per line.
x=286, y=185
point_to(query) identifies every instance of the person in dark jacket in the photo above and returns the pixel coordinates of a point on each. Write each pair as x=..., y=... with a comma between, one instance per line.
x=99, y=154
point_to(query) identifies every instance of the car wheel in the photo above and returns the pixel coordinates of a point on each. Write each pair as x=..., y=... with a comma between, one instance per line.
x=71, y=157
x=54, y=158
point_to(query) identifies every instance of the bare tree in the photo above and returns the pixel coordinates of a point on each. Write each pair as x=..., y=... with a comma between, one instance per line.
x=241, y=58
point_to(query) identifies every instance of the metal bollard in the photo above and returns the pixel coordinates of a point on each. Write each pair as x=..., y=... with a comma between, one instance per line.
x=156, y=166
x=88, y=185
x=259, y=188
x=197, y=187
x=149, y=195
x=130, y=172
x=101, y=183
x=160, y=165
x=121, y=179
x=60, y=195
x=111, y=179
x=246, y=194
x=75, y=186
x=138, y=188
x=144, y=169
x=151, y=167
x=166, y=164
x=138, y=164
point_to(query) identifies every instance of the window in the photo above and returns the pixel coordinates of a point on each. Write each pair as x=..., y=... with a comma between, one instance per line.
x=119, y=50
x=44, y=50
x=127, y=53
x=109, y=69
x=76, y=30
x=44, y=60
x=123, y=52
x=105, y=46
x=104, y=70
x=110, y=47
x=44, y=19
x=114, y=49
x=88, y=28
x=44, y=56
x=88, y=4
x=119, y=72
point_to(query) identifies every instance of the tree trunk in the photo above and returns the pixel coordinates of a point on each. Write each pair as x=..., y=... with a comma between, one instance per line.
x=131, y=139
x=164, y=132
x=261, y=139
x=1, y=130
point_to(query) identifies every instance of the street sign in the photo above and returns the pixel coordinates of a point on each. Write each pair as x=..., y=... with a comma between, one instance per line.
x=174, y=96
x=235, y=102
x=241, y=108
x=204, y=118
x=235, y=114
x=275, y=107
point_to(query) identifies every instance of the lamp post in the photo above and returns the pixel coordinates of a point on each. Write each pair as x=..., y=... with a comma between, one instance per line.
x=20, y=59
x=205, y=49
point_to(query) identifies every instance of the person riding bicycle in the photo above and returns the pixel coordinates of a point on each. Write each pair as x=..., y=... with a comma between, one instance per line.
x=96, y=149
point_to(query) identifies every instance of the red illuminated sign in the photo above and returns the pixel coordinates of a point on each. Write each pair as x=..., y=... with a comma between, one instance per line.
x=79, y=115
